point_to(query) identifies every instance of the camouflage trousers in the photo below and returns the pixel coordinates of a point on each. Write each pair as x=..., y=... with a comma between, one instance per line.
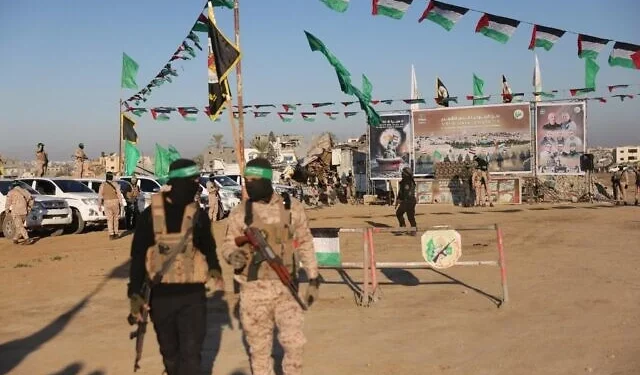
x=265, y=304
x=112, y=212
x=41, y=169
x=481, y=187
x=79, y=170
x=18, y=227
x=213, y=210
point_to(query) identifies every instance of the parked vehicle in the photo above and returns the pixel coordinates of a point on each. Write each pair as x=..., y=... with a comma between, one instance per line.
x=82, y=200
x=48, y=214
x=148, y=186
x=230, y=193
x=94, y=184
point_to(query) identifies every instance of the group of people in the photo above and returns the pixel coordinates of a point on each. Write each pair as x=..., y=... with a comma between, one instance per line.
x=620, y=178
x=42, y=161
x=173, y=252
x=331, y=189
x=560, y=148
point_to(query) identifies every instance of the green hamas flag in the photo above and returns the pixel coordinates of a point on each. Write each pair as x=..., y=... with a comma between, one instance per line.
x=129, y=72
x=131, y=157
x=163, y=158
x=591, y=69
x=344, y=78
x=478, y=90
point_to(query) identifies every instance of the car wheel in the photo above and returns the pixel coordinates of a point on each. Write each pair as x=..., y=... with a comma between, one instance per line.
x=56, y=232
x=77, y=223
x=7, y=227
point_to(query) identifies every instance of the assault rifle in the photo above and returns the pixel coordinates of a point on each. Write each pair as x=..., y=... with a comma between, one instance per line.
x=138, y=334
x=264, y=252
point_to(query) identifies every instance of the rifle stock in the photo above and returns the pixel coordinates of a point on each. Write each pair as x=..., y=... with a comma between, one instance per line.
x=139, y=333
x=264, y=252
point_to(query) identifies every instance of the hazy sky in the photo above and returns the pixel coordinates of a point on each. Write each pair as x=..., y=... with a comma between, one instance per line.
x=61, y=65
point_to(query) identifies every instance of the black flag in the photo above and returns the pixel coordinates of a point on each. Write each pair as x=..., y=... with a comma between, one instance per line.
x=128, y=132
x=223, y=56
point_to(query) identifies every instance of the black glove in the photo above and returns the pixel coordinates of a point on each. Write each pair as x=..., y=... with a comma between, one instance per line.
x=237, y=259
x=312, y=291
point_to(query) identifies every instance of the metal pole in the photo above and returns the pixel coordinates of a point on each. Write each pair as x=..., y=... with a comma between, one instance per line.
x=120, y=136
x=236, y=25
x=503, y=267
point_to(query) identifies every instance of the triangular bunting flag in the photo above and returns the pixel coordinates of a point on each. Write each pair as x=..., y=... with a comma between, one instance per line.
x=323, y=104
x=286, y=116
x=497, y=28
x=445, y=15
x=308, y=116
x=613, y=87
x=350, y=114
x=189, y=113
x=260, y=114
x=544, y=37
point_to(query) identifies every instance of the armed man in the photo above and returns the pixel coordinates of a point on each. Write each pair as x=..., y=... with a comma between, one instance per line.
x=19, y=202
x=174, y=251
x=265, y=301
x=42, y=161
x=132, y=212
x=212, y=189
x=80, y=157
x=481, y=181
x=110, y=198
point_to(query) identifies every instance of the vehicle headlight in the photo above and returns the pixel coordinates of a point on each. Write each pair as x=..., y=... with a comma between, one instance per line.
x=38, y=207
x=90, y=201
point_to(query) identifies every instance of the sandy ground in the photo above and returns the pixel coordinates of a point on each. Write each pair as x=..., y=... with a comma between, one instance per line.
x=573, y=271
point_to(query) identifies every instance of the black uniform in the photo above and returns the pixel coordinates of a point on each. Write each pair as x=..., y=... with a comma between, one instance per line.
x=178, y=311
x=407, y=199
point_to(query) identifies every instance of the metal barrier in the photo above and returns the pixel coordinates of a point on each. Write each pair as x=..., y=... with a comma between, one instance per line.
x=369, y=265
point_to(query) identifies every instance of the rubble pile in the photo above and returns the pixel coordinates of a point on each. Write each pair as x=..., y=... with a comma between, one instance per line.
x=563, y=189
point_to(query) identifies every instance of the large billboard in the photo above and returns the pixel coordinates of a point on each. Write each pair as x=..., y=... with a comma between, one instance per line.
x=499, y=133
x=560, y=136
x=390, y=145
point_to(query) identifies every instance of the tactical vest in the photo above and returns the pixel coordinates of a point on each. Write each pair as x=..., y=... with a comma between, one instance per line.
x=279, y=236
x=109, y=191
x=189, y=265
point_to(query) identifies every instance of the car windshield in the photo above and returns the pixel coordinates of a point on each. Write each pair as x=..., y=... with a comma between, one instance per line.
x=71, y=186
x=225, y=181
x=5, y=186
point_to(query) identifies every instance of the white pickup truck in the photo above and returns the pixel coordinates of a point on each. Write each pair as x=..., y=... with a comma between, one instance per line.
x=50, y=215
x=82, y=200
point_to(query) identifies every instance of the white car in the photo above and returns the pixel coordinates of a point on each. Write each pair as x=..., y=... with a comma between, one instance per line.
x=229, y=191
x=48, y=214
x=82, y=200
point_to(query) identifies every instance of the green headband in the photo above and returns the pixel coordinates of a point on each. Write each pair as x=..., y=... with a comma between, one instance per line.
x=190, y=171
x=253, y=171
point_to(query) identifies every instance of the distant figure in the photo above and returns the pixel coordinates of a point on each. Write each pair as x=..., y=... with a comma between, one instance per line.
x=351, y=189
x=110, y=198
x=19, y=202
x=616, y=180
x=42, y=161
x=80, y=157
x=212, y=189
x=406, y=200
x=132, y=209
x=1, y=166
x=636, y=171
x=481, y=182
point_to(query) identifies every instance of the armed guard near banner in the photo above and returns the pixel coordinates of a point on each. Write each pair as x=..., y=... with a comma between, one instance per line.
x=617, y=178
x=481, y=182
x=406, y=200
x=212, y=189
x=110, y=198
x=132, y=210
x=42, y=161
x=265, y=300
x=80, y=157
x=19, y=202
x=173, y=251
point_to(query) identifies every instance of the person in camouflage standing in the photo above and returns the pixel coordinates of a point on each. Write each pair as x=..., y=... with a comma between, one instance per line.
x=481, y=182
x=42, y=161
x=266, y=302
x=80, y=157
x=19, y=202
x=212, y=189
x=110, y=198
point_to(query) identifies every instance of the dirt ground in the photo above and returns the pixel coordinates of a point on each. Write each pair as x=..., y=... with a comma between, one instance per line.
x=574, y=283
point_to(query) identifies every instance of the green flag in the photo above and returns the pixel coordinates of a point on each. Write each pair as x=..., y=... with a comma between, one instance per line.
x=591, y=69
x=223, y=3
x=478, y=89
x=131, y=157
x=337, y=5
x=129, y=72
x=163, y=158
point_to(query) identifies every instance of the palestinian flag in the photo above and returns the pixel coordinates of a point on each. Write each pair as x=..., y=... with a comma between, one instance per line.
x=497, y=28
x=478, y=99
x=286, y=116
x=323, y=104
x=189, y=113
x=260, y=114
x=346, y=104
x=544, y=37
x=546, y=94
x=308, y=116
x=414, y=101
x=613, y=87
x=350, y=114
x=326, y=243
x=507, y=95
x=161, y=113
x=625, y=55
x=207, y=111
x=128, y=131
x=581, y=91
x=288, y=107
x=442, y=94
x=387, y=101
x=258, y=106
x=623, y=97
x=137, y=111
x=443, y=14
x=600, y=99
x=590, y=46
x=332, y=115
x=390, y=8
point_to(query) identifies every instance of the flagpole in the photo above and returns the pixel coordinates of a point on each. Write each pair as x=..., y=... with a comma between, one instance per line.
x=120, y=136
x=236, y=26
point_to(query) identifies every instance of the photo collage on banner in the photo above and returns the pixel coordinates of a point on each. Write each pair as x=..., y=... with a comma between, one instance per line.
x=501, y=134
x=560, y=136
x=390, y=145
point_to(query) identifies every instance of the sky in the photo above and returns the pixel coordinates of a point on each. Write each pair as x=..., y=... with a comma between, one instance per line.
x=61, y=66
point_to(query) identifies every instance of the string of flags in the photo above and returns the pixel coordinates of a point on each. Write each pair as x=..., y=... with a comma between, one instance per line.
x=185, y=51
x=291, y=111
x=501, y=29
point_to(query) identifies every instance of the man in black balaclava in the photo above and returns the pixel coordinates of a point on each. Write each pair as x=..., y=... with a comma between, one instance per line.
x=174, y=251
x=264, y=301
x=406, y=200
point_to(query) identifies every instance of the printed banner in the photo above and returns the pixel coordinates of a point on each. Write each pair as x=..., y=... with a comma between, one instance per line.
x=560, y=137
x=501, y=134
x=390, y=145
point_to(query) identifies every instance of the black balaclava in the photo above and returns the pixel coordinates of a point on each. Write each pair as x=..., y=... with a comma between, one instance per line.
x=183, y=188
x=261, y=188
x=406, y=174
x=109, y=176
